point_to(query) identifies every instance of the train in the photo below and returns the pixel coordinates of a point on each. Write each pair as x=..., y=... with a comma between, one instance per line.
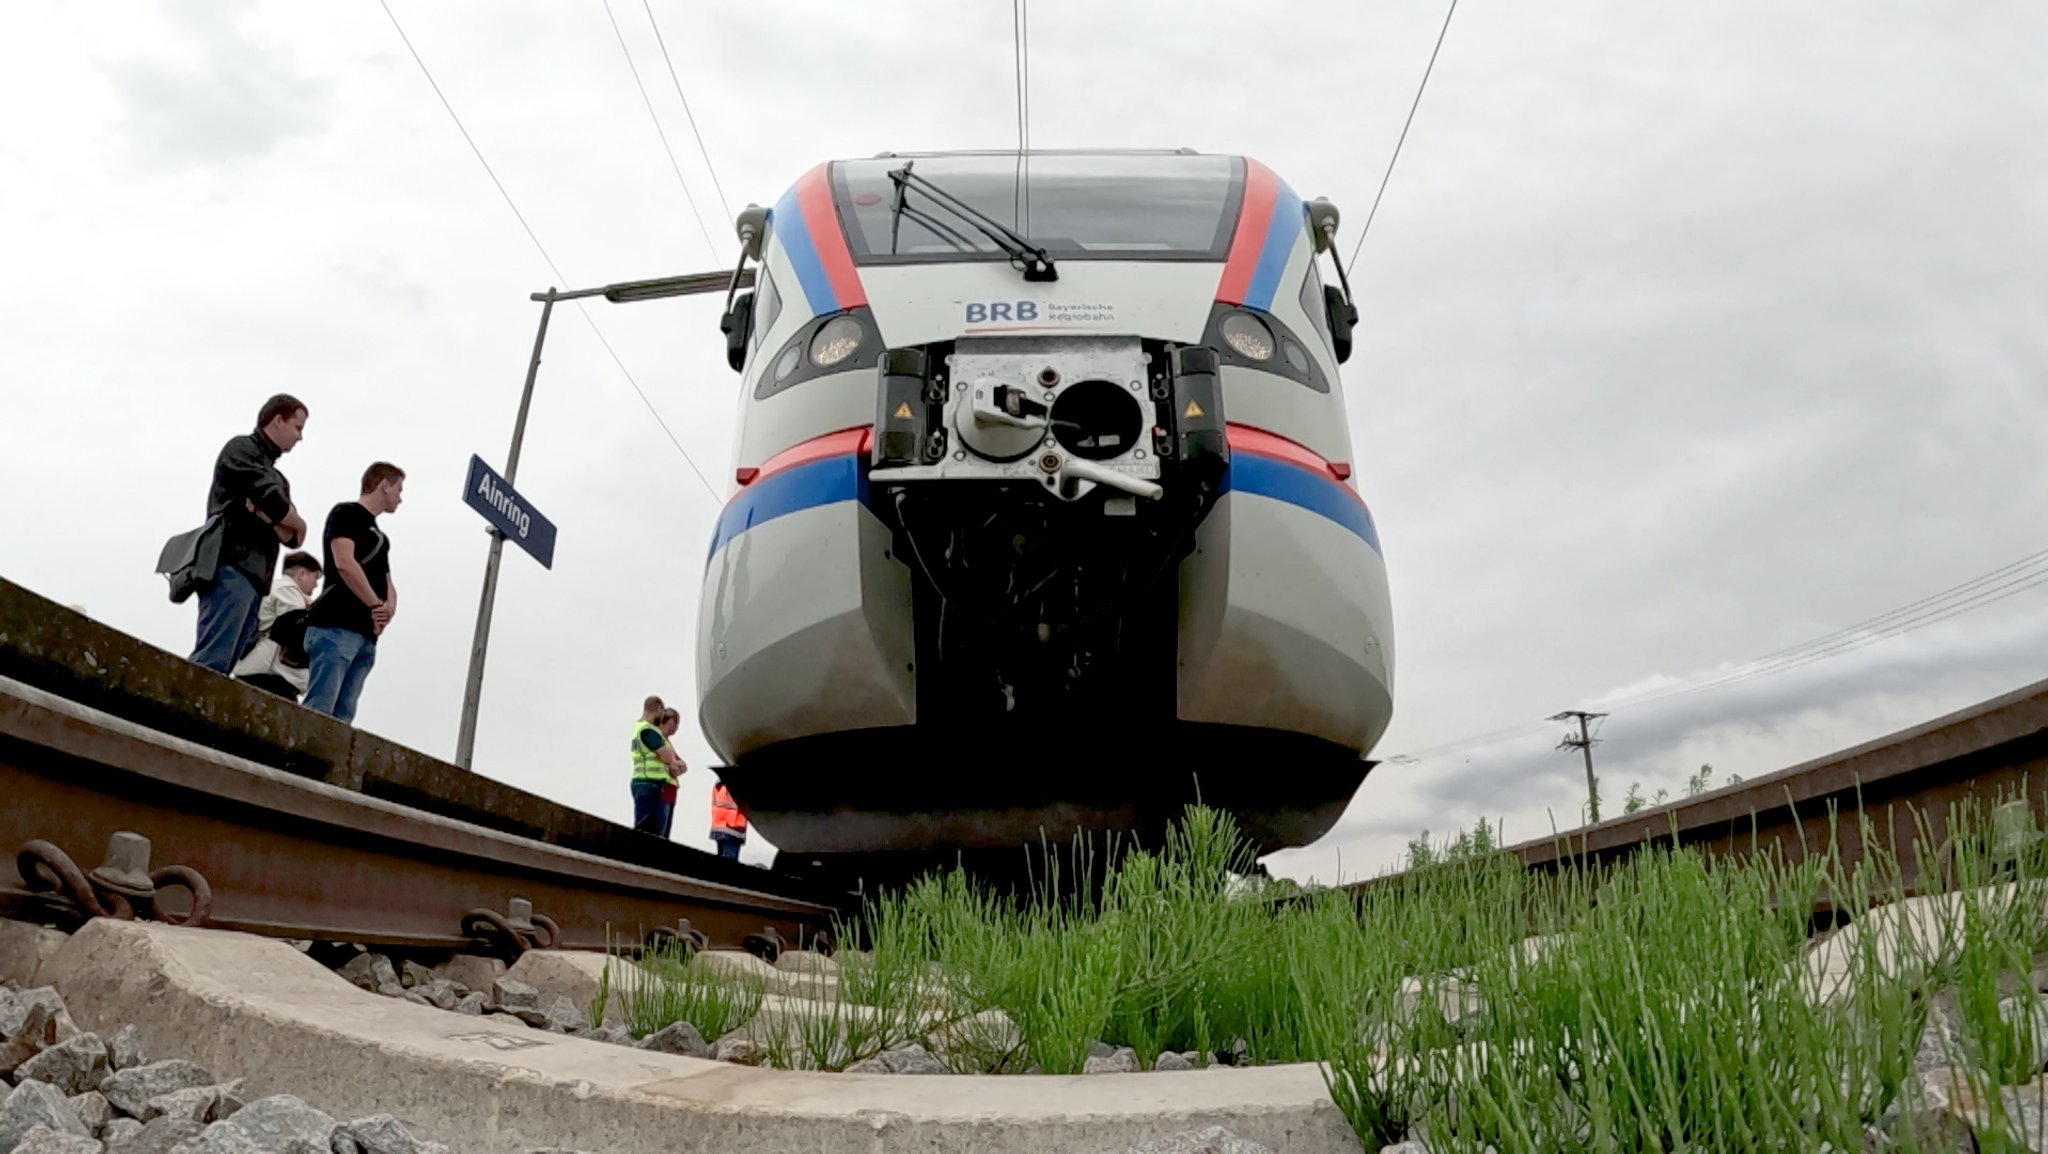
x=1044, y=518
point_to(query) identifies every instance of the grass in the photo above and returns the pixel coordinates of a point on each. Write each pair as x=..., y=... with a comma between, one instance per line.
x=664, y=987
x=1671, y=1004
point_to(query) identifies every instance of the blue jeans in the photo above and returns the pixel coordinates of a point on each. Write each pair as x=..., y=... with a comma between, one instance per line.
x=227, y=619
x=338, y=662
x=650, y=813
x=728, y=845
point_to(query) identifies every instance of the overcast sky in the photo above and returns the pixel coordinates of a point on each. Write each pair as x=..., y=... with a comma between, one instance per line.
x=1690, y=332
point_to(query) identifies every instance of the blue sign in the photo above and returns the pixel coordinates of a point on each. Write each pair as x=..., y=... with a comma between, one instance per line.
x=508, y=512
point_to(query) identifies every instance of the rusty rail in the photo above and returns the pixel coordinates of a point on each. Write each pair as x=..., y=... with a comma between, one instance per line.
x=250, y=847
x=1992, y=751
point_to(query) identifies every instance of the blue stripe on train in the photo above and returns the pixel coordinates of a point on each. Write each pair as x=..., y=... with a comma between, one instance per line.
x=1323, y=496
x=835, y=479
x=807, y=486
x=1282, y=233
x=794, y=234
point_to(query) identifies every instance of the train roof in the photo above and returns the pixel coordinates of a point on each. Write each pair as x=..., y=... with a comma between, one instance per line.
x=1041, y=152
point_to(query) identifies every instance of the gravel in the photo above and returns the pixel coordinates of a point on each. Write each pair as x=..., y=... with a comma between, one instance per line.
x=131, y=1090
x=1122, y=1060
x=677, y=1038
x=73, y=1065
x=34, y=1104
x=43, y=1140
x=125, y=1050
x=76, y=1094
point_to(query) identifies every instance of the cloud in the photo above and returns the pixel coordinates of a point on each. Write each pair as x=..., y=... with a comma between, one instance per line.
x=1748, y=728
x=230, y=100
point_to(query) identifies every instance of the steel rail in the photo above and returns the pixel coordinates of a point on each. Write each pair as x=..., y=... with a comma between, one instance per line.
x=61, y=651
x=1900, y=787
x=288, y=856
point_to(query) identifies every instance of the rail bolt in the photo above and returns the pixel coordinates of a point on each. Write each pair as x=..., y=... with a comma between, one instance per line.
x=519, y=913
x=126, y=867
x=766, y=945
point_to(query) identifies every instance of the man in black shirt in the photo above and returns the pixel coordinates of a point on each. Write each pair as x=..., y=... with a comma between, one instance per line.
x=359, y=600
x=255, y=502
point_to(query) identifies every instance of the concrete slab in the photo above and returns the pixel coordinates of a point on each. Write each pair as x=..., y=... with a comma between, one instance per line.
x=249, y=1007
x=24, y=947
x=1904, y=937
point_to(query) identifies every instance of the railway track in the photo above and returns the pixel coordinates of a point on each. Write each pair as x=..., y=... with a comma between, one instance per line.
x=137, y=784
x=1993, y=752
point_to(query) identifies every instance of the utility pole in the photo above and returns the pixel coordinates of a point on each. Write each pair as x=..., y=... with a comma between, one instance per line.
x=1584, y=744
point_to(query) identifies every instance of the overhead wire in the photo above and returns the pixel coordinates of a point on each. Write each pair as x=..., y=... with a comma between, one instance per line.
x=1985, y=589
x=1352, y=264
x=687, y=114
x=542, y=249
x=709, y=247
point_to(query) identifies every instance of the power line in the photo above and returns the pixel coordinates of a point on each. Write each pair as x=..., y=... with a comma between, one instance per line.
x=472, y=143
x=542, y=249
x=1862, y=628
x=1741, y=674
x=658, y=131
x=1352, y=264
x=1988, y=588
x=687, y=114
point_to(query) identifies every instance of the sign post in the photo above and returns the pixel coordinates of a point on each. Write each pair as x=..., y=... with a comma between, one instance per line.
x=507, y=512
x=473, y=690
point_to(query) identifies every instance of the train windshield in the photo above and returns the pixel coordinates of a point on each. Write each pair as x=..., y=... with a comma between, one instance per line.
x=1076, y=207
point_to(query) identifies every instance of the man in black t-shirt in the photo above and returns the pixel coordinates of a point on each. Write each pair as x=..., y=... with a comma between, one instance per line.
x=359, y=600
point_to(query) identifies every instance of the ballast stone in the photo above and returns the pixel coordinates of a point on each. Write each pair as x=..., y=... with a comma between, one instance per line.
x=34, y=1104
x=119, y=1131
x=93, y=1109
x=1122, y=1060
x=381, y=1134
x=73, y=1065
x=372, y=972
x=511, y=993
x=159, y=1137
x=906, y=1059
x=201, y=1104
x=279, y=1124
x=130, y=1090
x=125, y=1050
x=677, y=1038
x=43, y=1140
x=24, y=947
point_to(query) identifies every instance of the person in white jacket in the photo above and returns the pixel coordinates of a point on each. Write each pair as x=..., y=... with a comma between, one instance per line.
x=267, y=666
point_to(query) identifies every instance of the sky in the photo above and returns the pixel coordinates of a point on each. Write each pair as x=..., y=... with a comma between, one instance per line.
x=1689, y=333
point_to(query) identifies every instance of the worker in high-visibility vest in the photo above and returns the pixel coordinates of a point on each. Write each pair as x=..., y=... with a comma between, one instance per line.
x=655, y=767
x=728, y=824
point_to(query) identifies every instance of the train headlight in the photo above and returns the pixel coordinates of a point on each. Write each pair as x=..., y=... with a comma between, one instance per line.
x=835, y=342
x=787, y=362
x=1248, y=335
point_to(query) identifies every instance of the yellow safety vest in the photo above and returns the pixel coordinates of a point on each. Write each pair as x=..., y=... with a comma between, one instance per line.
x=647, y=764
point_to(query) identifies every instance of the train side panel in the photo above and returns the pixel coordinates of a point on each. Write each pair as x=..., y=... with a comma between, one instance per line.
x=805, y=623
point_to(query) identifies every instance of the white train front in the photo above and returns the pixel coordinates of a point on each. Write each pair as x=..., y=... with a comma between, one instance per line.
x=1045, y=517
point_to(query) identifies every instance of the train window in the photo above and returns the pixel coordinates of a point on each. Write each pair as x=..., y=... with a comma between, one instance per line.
x=1079, y=207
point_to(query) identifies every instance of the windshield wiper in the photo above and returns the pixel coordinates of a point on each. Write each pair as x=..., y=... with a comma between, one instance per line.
x=1028, y=258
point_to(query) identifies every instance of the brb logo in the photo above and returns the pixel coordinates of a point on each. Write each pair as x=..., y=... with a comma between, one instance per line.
x=990, y=312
